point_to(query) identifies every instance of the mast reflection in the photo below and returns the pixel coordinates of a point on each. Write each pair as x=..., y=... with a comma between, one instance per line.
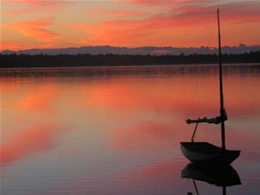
x=224, y=176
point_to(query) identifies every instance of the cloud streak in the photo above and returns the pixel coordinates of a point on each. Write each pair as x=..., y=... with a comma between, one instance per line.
x=36, y=6
x=36, y=29
x=174, y=27
x=134, y=23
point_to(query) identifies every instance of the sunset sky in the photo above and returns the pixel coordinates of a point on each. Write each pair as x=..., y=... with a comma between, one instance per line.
x=29, y=24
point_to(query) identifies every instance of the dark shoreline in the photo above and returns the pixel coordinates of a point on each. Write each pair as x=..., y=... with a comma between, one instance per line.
x=107, y=60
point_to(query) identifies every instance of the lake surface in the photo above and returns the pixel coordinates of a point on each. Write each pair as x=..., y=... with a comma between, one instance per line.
x=116, y=131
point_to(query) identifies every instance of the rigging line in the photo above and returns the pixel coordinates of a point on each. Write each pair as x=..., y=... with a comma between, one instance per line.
x=211, y=33
x=198, y=81
x=212, y=28
x=193, y=97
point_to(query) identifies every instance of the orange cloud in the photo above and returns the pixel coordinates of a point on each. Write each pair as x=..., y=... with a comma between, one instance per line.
x=185, y=25
x=10, y=46
x=158, y=30
x=180, y=24
x=121, y=33
x=36, y=29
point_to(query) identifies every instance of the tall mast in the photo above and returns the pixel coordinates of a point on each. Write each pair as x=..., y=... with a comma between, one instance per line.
x=222, y=110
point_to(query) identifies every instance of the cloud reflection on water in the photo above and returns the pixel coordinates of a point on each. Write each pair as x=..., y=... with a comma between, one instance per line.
x=29, y=141
x=126, y=129
x=38, y=100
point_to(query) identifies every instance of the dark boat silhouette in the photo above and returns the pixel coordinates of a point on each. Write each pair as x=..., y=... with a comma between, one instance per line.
x=219, y=176
x=223, y=176
x=204, y=152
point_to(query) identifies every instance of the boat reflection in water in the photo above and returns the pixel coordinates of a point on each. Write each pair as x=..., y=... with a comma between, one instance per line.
x=223, y=176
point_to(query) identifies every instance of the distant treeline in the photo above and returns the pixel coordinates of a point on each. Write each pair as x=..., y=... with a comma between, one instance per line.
x=42, y=60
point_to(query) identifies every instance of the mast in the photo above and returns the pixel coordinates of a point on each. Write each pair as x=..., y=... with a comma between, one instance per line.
x=222, y=109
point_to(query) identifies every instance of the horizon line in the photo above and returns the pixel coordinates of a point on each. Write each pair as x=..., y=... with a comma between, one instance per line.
x=146, y=46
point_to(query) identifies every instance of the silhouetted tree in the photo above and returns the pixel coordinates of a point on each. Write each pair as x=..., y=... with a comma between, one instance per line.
x=43, y=60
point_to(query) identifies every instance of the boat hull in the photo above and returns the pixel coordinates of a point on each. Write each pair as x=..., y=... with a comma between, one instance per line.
x=206, y=153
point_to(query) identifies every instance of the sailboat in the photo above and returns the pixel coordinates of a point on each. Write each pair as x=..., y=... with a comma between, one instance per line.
x=204, y=152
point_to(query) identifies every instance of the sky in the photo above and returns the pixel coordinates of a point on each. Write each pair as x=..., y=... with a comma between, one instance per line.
x=27, y=24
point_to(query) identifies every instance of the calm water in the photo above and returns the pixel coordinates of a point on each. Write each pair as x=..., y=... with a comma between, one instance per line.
x=116, y=131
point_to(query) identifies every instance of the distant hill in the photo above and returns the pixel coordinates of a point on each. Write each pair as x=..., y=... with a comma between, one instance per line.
x=94, y=50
